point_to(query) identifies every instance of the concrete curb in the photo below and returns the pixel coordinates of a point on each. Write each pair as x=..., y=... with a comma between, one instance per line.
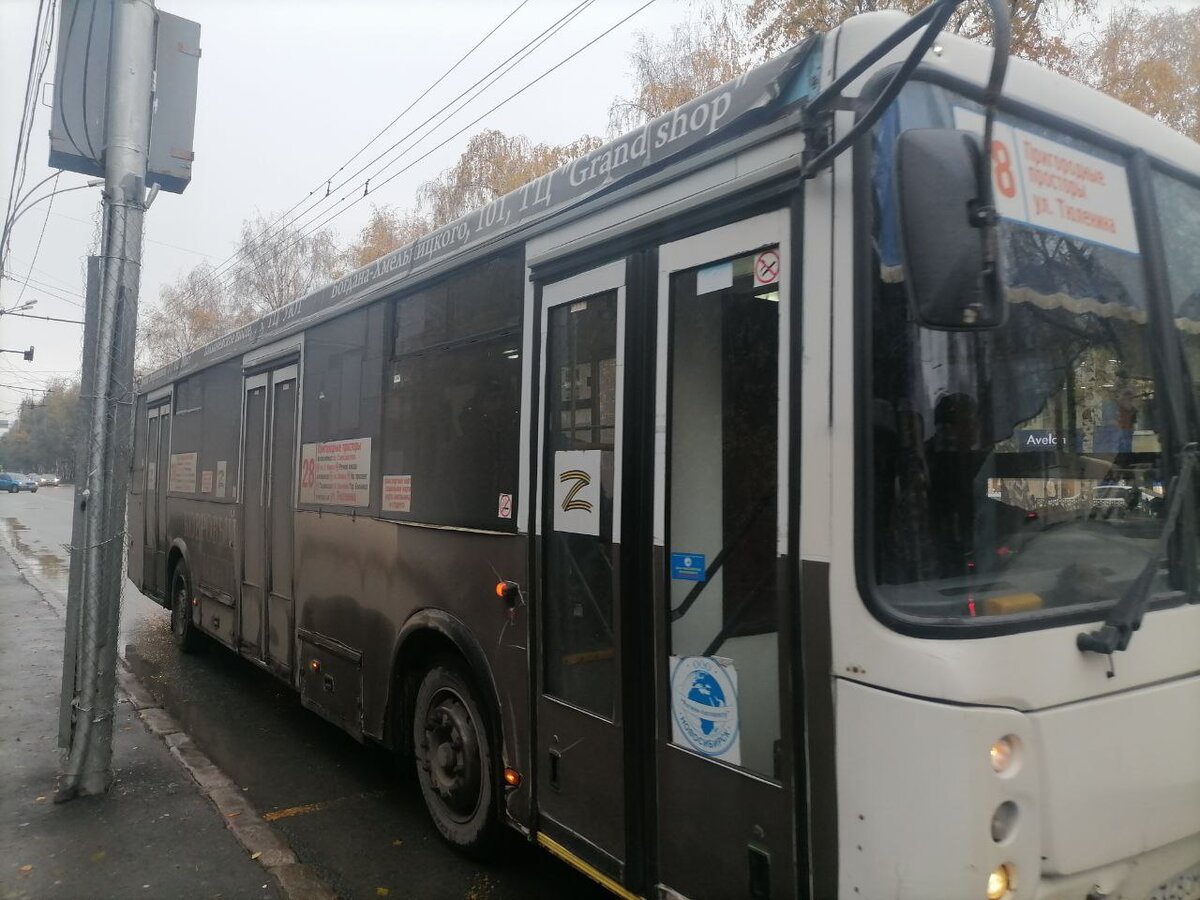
x=296, y=881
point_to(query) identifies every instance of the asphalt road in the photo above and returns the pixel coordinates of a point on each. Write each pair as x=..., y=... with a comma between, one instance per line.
x=354, y=812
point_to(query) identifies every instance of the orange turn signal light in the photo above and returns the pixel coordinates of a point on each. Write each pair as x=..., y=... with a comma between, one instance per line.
x=315, y=665
x=501, y=589
x=512, y=777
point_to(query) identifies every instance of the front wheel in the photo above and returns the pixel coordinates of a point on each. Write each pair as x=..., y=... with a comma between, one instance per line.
x=183, y=632
x=454, y=761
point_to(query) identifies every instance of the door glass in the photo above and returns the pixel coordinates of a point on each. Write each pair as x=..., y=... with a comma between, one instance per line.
x=283, y=452
x=723, y=485
x=581, y=365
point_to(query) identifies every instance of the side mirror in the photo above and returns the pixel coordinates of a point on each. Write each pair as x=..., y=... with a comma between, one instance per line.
x=938, y=189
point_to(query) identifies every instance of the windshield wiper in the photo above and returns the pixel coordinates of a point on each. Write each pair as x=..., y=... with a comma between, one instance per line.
x=1126, y=616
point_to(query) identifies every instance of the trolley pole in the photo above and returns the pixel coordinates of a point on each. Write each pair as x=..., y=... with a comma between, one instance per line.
x=89, y=667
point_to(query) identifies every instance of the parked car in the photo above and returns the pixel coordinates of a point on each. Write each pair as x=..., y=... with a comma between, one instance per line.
x=14, y=481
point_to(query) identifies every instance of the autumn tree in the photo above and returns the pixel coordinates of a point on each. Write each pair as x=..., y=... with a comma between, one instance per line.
x=1149, y=59
x=43, y=436
x=386, y=230
x=1040, y=28
x=699, y=54
x=278, y=262
x=493, y=164
x=191, y=311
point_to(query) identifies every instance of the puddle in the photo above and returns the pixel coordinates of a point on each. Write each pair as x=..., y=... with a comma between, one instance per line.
x=49, y=566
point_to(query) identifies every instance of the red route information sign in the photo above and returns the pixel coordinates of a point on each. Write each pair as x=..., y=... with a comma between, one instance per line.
x=397, y=493
x=336, y=473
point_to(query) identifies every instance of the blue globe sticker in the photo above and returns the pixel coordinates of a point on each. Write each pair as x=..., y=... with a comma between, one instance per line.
x=704, y=707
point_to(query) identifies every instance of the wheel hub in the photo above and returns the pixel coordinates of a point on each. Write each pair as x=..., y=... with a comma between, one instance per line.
x=452, y=754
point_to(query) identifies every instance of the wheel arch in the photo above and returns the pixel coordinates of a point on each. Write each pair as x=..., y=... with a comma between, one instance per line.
x=427, y=635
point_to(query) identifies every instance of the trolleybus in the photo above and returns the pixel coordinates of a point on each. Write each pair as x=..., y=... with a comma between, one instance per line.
x=787, y=498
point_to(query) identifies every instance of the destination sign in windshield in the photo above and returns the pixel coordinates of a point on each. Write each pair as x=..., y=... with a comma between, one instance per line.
x=1052, y=186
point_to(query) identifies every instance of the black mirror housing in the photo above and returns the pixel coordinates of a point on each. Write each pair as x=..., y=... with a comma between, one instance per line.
x=950, y=285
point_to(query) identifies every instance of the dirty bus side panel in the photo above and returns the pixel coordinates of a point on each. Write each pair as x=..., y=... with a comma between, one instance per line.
x=201, y=485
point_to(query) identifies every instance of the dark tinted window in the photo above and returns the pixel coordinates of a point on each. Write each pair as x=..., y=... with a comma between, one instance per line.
x=483, y=298
x=344, y=362
x=453, y=400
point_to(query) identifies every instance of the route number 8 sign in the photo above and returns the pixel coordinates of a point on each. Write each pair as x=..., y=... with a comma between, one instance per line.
x=1057, y=188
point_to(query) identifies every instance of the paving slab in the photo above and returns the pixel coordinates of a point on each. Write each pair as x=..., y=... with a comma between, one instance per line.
x=152, y=835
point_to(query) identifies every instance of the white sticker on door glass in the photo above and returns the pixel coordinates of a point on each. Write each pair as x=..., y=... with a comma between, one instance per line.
x=577, y=491
x=714, y=278
x=704, y=707
x=221, y=476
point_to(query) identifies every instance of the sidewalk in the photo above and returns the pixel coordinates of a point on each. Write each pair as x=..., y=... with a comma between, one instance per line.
x=152, y=835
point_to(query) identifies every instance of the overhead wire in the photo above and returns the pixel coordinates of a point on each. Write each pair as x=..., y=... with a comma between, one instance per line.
x=53, y=293
x=414, y=102
x=224, y=265
x=37, y=248
x=470, y=124
x=40, y=50
x=496, y=73
x=228, y=277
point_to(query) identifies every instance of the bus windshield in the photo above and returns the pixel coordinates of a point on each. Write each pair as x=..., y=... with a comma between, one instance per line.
x=1019, y=471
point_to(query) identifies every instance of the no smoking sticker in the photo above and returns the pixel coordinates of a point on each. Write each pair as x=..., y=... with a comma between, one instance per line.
x=505, y=506
x=766, y=268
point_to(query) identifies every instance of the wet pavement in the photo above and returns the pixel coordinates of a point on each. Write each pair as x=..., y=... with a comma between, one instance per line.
x=354, y=812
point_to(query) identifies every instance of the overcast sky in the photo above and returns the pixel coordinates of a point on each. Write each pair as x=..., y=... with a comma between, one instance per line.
x=287, y=92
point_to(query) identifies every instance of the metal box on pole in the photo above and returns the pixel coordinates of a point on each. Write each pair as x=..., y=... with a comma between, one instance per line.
x=81, y=94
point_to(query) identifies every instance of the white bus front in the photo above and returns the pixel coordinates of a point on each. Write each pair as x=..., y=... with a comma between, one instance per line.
x=996, y=492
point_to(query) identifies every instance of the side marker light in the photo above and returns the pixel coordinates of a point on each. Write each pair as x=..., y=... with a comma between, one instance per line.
x=1003, y=753
x=512, y=777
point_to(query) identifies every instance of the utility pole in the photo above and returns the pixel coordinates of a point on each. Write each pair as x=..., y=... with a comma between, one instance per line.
x=105, y=426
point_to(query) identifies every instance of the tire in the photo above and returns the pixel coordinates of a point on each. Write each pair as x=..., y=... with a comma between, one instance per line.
x=455, y=764
x=14, y=489
x=183, y=632
x=33, y=490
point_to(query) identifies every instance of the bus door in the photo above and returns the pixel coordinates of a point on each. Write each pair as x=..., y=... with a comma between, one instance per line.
x=158, y=457
x=580, y=769
x=265, y=613
x=724, y=749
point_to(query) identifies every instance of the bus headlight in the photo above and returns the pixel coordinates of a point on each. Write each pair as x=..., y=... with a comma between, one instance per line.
x=1000, y=882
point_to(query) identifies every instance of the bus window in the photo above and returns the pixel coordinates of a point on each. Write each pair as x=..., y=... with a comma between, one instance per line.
x=452, y=399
